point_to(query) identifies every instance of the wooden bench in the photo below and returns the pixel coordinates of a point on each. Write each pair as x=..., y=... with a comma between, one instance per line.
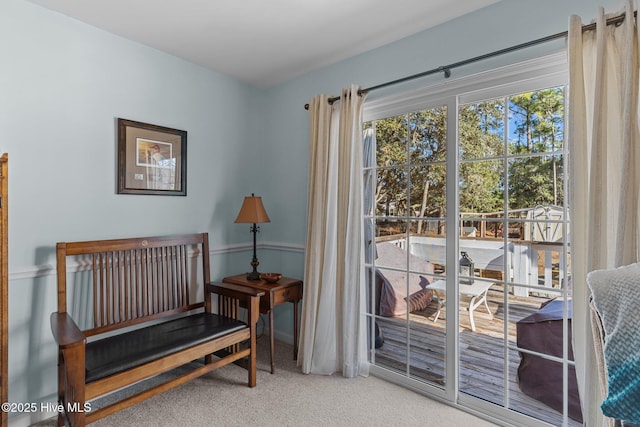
x=141, y=311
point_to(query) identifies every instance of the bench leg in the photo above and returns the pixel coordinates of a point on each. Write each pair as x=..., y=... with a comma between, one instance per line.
x=71, y=383
x=61, y=384
x=295, y=329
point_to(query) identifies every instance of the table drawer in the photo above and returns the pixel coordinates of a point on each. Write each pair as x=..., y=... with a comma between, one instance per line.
x=286, y=294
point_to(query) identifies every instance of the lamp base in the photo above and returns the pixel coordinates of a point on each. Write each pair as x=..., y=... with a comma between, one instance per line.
x=254, y=275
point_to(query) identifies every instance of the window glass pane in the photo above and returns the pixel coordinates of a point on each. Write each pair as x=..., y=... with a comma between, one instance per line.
x=536, y=181
x=428, y=135
x=390, y=229
x=430, y=244
x=427, y=356
x=428, y=191
x=482, y=362
x=391, y=141
x=536, y=121
x=481, y=128
x=481, y=186
x=540, y=335
x=391, y=192
x=392, y=353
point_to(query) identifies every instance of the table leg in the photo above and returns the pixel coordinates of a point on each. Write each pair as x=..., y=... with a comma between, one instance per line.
x=486, y=305
x=473, y=304
x=295, y=330
x=441, y=303
x=471, y=308
x=272, y=342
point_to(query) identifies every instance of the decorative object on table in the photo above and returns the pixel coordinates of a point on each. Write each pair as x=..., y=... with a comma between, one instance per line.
x=151, y=159
x=252, y=212
x=466, y=268
x=271, y=277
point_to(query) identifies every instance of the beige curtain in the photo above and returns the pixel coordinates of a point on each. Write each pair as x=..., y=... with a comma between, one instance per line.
x=333, y=329
x=604, y=169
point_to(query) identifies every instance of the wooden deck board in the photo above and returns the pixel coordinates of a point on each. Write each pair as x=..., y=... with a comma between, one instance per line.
x=481, y=352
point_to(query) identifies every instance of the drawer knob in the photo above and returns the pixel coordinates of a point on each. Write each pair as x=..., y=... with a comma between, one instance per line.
x=286, y=293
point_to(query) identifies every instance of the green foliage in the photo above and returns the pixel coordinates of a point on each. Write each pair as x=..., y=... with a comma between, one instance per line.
x=538, y=118
x=411, y=152
x=481, y=133
x=407, y=147
x=428, y=152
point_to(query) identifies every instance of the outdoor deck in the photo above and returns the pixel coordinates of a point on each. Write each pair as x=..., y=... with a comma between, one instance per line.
x=481, y=352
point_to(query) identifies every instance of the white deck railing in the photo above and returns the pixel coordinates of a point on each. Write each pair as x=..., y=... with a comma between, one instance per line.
x=536, y=265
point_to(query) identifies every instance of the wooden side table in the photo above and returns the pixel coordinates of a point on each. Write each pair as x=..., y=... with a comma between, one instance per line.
x=284, y=290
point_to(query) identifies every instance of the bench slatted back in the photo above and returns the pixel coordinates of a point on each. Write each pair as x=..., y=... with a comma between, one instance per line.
x=137, y=279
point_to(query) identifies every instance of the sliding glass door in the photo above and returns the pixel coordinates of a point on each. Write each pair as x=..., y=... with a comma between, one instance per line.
x=407, y=166
x=468, y=256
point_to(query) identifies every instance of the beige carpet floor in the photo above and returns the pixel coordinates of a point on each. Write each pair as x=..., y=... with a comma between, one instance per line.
x=287, y=398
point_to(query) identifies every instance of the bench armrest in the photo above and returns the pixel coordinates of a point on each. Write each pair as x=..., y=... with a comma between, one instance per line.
x=243, y=295
x=234, y=291
x=65, y=331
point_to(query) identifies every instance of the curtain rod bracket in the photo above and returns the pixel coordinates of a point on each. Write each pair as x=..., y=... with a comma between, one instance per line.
x=446, y=71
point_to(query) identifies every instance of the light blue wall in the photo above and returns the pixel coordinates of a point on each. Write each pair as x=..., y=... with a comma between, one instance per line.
x=64, y=83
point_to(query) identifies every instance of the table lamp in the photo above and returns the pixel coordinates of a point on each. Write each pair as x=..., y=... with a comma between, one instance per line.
x=252, y=212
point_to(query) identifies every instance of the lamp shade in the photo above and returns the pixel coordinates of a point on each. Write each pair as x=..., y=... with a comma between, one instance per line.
x=252, y=211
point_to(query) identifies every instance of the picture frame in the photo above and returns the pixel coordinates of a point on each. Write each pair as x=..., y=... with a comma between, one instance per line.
x=152, y=159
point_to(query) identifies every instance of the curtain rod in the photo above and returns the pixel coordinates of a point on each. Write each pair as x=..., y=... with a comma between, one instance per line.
x=446, y=69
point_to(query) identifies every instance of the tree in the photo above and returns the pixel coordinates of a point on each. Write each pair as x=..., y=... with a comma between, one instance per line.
x=481, y=132
x=391, y=136
x=427, y=154
x=536, y=180
x=408, y=150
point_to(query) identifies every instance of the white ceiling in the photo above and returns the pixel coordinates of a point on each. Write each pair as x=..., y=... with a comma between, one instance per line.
x=264, y=42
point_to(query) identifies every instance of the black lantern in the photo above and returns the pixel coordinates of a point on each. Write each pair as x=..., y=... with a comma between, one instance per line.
x=466, y=268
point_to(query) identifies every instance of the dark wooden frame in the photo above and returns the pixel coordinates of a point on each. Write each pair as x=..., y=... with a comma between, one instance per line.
x=131, y=169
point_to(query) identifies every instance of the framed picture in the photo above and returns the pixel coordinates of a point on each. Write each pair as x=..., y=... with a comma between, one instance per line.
x=151, y=159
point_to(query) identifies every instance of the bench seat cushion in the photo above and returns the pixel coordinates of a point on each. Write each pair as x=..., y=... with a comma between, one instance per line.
x=118, y=353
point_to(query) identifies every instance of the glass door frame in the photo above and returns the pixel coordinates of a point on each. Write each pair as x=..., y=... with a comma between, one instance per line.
x=525, y=76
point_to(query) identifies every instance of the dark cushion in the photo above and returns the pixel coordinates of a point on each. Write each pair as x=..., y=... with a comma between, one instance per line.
x=118, y=353
x=541, y=378
x=549, y=310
